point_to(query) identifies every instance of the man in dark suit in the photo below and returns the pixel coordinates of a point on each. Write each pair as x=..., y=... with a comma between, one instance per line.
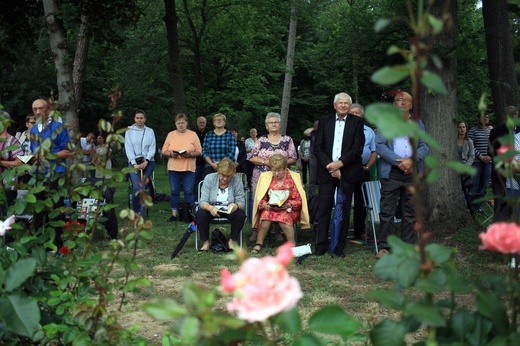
x=502, y=210
x=338, y=147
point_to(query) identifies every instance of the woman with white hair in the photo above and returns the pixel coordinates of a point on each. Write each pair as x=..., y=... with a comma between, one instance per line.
x=268, y=145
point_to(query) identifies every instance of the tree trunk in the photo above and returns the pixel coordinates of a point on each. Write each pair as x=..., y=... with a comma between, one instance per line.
x=501, y=64
x=174, y=63
x=197, y=55
x=291, y=45
x=63, y=64
x=444, y=200
x=80, y=59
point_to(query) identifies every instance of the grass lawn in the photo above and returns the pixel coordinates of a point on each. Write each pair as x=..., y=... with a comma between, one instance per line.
x=324, y=280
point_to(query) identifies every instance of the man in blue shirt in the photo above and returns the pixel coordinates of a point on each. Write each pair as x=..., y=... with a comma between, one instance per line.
x=47, y=129
x=396, y=166
x=368, y=158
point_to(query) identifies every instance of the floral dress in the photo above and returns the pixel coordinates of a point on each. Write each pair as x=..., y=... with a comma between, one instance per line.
x=295, y=200
x=265, y=149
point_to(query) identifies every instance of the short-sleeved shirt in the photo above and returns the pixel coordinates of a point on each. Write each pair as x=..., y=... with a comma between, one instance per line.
x=59, y=139
x=370, y=144
x=265, y=149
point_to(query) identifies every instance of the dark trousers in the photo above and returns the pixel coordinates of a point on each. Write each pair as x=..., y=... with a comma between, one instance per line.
x=313, y=164
x=198, y=178
x=393, y=190
x=249, y=166
x=360, y=212
x=204, y=217
x=325, y=204
x=305, y=167
x=207, y=170
x=502, y=211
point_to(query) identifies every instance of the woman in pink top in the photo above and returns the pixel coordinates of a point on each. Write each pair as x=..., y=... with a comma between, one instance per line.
x=182, y=146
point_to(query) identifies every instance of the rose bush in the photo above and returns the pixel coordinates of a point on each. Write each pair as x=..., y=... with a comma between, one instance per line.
x=263, y=294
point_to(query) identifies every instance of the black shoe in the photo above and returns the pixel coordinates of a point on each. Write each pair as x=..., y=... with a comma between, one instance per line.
x=340, y=254
x=173, y=218
x=320, y=252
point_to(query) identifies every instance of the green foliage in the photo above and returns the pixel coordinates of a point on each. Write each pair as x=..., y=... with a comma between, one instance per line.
x=67, y=297
x=435, y=305
x=197, y=321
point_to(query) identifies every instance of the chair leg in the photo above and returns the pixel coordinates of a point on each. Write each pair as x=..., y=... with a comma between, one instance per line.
x=375, y=238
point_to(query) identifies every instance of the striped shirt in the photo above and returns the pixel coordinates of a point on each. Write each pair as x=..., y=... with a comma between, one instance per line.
x=480, y=138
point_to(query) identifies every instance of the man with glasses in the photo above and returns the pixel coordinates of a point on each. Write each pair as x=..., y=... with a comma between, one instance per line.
x=338, y=147
x=396, y=166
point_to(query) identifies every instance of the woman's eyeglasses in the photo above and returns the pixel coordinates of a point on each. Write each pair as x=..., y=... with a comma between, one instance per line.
x=273, y=123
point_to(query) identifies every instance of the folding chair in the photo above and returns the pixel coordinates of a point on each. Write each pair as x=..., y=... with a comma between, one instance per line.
x=371, y=197
x=222, y=220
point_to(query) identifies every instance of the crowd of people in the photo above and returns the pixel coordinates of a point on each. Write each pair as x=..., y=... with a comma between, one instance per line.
x=335, y=157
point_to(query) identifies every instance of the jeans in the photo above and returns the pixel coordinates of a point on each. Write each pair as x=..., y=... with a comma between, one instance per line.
x=481, y=179
x=187, y=180
x=140, y=183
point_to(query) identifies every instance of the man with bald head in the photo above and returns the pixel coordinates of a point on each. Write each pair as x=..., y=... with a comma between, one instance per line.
x=338, y=147
x=48, y=129
x=395, y=168
x=45, y=128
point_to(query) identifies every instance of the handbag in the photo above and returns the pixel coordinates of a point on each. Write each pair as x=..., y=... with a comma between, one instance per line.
x=219, y=243
x=183, y=211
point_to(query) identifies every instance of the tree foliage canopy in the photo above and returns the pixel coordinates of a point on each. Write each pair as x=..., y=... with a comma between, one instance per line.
x=240, y=47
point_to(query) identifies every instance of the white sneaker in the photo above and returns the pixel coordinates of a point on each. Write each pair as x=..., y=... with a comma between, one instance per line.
x=9, y=248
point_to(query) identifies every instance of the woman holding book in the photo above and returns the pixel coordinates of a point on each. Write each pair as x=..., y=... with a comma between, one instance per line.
x=280, y=198
x=10, y=153
x=181, y=146
x=222, y=196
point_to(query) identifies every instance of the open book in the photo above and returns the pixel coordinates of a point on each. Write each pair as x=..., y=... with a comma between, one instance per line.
x=278, y=197
x=224, y=210
x=180, y=152
x=25, y=158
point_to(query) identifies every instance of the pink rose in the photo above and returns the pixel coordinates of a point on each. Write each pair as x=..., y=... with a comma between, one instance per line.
x=284, y=254
x=504, y=149
x=227, y=281
x=503, y=237
x=6, y=225
x=262, y=287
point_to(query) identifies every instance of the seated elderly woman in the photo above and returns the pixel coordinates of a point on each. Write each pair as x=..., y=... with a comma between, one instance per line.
x=222, y=196
x=280, y=198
